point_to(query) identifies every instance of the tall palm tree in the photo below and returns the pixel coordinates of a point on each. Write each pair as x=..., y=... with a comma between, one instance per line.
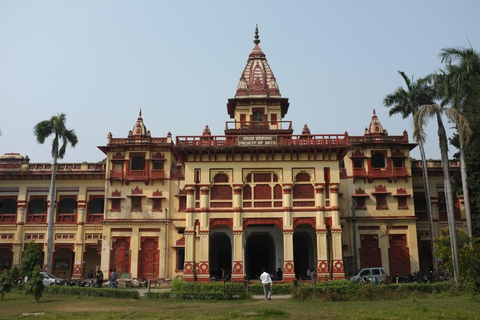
x=420, y=118
x=55, y=126
x=460, y=88
x=407, y=102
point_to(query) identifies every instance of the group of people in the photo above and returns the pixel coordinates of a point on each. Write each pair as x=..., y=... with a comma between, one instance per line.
x=112, y=278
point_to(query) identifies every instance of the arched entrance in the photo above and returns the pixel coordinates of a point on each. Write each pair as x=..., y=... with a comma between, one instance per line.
x=220, y=254
x=63, y=258
x=260, y=253
x=6, y=258
x=92, y=260
x=425, y=255
x=304, y=245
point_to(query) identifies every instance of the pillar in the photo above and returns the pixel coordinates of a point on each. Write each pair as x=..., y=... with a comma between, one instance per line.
x=20, y=234
x=189, y=267
x=238, y=272
x=79, y=260
x=288, y=261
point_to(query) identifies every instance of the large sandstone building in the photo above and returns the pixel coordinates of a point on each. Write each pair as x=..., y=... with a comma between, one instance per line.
x=256, y=197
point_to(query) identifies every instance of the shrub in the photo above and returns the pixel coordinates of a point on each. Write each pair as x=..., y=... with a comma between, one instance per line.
x=93, y=292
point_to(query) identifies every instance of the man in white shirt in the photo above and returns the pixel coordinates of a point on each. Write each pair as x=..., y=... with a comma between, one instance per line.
x=267, y=285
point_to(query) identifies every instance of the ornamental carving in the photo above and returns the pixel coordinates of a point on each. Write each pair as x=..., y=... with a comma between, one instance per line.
x=322, y=266
x=203, y=268
x=288, y=267
x=338, y=266
x=188, y=267
x=238, y=267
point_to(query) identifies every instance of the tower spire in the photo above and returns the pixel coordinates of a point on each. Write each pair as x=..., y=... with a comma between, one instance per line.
x=257, y=38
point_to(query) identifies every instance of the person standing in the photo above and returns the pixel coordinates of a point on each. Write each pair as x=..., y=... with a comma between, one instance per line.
x=267, y=284
x=279, y=274
x=313, y=277
x=99, y=278
x=90, y=277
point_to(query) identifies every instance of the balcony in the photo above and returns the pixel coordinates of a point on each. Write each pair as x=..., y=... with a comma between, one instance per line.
x=94, y=217
x=280, y=140
x=157, y=174
x=8, y=217
x=37, y=217
x=116, y=174
x=252, y=127
x=177, y=174
x=380, y=173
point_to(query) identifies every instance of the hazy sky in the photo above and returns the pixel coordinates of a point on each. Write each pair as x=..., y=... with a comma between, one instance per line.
x=100, y=62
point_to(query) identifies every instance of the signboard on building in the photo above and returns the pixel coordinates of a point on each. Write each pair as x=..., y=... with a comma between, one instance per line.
x=257, y=141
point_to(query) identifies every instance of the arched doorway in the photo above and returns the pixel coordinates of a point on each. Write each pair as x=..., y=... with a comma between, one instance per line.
x=220, y=254
x=6, y=258
x=92, y=259
x=63, y=258
x=120, y=255
x=304, y=246
x=259, y=254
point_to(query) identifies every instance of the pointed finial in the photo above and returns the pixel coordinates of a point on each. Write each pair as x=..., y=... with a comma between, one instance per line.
x=257, y=40
x=373, y=111
x=140, y=113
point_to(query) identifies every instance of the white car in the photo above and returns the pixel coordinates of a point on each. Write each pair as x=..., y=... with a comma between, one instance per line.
x=50, y=279
x=376, y=275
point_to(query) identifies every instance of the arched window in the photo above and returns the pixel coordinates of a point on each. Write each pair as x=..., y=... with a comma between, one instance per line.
x=258, y=116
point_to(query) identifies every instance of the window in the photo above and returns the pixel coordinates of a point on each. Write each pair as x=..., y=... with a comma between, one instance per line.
x=136, y=204
x=95, y=209
x=67, y=209
x=360, y=203
x=221, y=192
x=116, y=205
x=8, y=209
x=180, y=258
x=37, y=209
x=303, y=191
x=381, y=201
x=378, y=160
x=157, y=204
x=137, y=163
x=420, y=204
x=258, y=116
x=157, y=165
x=262, y=190
x=402, y=203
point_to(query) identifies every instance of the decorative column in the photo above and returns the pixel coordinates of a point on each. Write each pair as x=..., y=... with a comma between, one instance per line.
x=189, y=267
x=203, y=270
x=238, y=272
x=288, y=261
x=320, y=197
x=18, y=240
x=204, y=221
x=322, y=259
x=336, y=229
x=79, y=261
x=134, y=251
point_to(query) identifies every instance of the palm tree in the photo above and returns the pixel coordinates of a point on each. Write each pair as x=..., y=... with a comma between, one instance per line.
x=407, y=102
x=460, y=88
x=420, y=118
x=56, y=126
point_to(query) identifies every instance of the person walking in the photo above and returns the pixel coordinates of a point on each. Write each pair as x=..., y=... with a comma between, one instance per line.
x=267, y=284
x=99, y=278
x=91, y=275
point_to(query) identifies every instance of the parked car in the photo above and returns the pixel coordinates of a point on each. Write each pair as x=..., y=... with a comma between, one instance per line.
x=375, y=275
x=50, y=279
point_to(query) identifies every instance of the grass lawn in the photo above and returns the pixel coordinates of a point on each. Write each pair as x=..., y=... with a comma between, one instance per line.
x=70, y=307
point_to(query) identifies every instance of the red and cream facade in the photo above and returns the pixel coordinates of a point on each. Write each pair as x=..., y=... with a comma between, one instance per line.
x=256, y=197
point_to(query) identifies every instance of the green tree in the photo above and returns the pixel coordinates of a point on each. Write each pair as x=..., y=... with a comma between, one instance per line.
x=14, y=273
x=56, y=126
x=5, y=283
x=34, y=284
x=460, y=88
x=406, y=102
x=468, y=256
x=420, y=118
x=33, y=257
